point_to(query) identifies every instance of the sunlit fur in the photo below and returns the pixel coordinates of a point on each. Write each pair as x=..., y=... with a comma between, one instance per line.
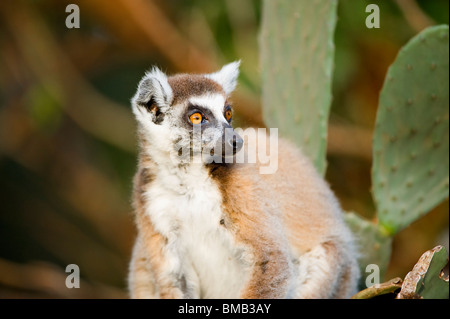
x=227, y=231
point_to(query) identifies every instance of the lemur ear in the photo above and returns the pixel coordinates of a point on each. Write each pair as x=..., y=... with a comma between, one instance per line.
x=227, y=76
x=154, y=95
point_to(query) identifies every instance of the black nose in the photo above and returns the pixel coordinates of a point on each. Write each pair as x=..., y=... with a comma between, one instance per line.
x=235, y=142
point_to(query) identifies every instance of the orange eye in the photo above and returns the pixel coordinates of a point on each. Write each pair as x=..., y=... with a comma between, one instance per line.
x=228, y=115
x=196, y=118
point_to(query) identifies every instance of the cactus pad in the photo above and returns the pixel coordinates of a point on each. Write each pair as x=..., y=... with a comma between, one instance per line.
x=411, y=138
x=374, y=247
x=297, y=53
x=426, y=280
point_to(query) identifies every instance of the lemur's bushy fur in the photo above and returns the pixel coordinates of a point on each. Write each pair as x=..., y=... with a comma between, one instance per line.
x=225, y=230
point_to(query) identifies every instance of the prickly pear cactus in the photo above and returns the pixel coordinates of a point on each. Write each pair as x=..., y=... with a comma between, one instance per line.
x=297, y=53
x=373, y=245
x=410, y=173
x=410, y=145
x=426, y=280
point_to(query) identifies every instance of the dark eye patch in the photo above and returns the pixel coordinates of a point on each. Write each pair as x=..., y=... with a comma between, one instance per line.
x=206, y=113
x=227, y=109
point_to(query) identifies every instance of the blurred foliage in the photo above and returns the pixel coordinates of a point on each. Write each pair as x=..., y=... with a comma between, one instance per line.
x=67, y=143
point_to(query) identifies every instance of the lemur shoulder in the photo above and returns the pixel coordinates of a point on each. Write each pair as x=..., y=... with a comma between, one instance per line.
x=208, y=229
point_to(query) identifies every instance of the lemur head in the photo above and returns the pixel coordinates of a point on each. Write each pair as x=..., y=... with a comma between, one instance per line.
x=187, y=116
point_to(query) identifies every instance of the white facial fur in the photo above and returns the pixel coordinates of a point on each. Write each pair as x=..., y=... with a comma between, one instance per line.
x=168, y=128
x=213, y=102
x=195, y=137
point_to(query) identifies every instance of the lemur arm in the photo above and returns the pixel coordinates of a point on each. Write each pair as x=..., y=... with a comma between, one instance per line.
x=152, y=256
x=169, y=282
x=270, y=277
x=271, y=266
x=141, y=278
x=328, y=263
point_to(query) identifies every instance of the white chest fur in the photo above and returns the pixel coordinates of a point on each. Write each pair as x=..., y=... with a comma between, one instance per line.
x=186, y=208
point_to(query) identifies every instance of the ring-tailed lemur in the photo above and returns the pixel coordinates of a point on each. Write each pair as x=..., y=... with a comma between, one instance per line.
x=218, y=230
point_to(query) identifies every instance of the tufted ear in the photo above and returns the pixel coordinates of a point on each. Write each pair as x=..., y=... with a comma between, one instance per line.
x=154, y=95
x=227, y=76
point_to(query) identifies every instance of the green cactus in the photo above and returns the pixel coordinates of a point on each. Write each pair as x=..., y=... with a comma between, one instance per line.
x=374, y=246
x=426, y=279
x=297, y=53
x=410, y=169
x=431, y=285
x=410, y=145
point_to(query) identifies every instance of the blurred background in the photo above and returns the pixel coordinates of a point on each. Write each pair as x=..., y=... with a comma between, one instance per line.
x=67, y=135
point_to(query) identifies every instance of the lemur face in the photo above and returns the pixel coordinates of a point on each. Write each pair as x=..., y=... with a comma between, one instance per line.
x=189, y=115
